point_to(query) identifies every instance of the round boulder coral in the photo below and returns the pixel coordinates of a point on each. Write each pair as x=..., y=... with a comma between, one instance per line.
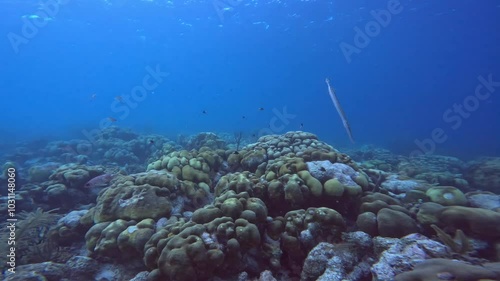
x=252, y=159
x=446, y=196
x=392, y=223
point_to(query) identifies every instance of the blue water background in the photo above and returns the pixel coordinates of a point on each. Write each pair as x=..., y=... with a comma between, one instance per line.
x=269, y=54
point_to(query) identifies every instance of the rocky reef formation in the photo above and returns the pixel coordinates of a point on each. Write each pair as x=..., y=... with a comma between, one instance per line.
x=287, y=207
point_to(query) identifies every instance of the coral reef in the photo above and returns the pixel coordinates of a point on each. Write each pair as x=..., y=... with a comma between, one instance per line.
x=285, y=207
x=205, y=139
x=473, y=221
x=32, y=238
x=218, y=240
x=484, y=174
x=444, y=269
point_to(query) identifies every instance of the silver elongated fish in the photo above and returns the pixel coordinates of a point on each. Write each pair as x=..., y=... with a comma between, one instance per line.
x=336, y=102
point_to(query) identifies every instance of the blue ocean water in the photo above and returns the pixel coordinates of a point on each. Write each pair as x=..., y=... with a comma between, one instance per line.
x=401, y=70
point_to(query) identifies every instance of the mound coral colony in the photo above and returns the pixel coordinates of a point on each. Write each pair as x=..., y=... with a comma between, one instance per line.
x=223, y=206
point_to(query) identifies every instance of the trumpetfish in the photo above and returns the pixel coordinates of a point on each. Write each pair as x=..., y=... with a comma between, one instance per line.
x=336, y=102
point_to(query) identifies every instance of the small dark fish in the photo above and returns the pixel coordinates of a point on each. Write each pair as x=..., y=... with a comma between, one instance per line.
x=243, y=117
x=301, y=125
x=261, y=108
x=204, y=112
x=99, y=181
x=152, y=143
x=236, y=152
